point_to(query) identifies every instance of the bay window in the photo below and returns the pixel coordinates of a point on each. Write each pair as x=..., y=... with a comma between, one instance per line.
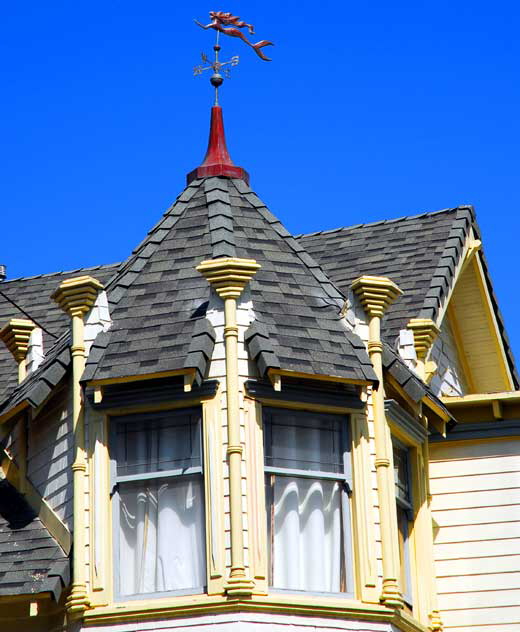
x=307, y=471
x=158, y=503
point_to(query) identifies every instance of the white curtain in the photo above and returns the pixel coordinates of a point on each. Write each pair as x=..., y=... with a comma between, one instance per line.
x=306, y=549
x=307, y=534
x=161, y=522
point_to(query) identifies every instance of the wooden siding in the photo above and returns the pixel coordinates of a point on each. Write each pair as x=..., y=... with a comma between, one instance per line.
x=50, y=455
x=476, y=513
x=475, y=324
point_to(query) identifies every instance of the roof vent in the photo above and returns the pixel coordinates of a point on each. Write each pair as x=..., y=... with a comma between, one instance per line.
x=3, y=272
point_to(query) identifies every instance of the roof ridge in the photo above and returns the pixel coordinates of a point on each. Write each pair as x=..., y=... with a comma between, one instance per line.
x=384, y=221
x=61, y=272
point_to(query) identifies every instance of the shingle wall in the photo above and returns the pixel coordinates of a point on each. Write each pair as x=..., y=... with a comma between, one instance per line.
x=50, y=454
x=449, y=378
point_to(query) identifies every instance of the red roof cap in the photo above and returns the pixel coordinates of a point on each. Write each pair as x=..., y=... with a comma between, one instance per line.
x=217, y=161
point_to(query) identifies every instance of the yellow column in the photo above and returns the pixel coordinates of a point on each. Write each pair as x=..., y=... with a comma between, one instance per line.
x=376, y=294
x=229, y=277
x=435, y=623
x=424, y=333
x=16, y=335
x=76, y=297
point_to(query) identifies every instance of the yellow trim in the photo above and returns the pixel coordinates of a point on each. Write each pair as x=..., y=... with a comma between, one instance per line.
x=291, y=605
x=414, y=407
x=214, y=494
x=45, y=513
x=228, y=277
x=100, y=514
x=459, y=269
x=139, y=408
x=422, y=571
x=476, y=399
x=76, y=296
x=257, y=529
x=362, y=512
x=376, y=294
x=16, y=335
x=139, y=378
x=272, y=373
x=493, y=323
x=424, y=333
x=14, y=411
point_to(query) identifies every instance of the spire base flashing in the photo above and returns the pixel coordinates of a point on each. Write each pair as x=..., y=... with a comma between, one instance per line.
x=220, y=169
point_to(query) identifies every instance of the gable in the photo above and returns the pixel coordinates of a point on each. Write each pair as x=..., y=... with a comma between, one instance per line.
x=480, y=342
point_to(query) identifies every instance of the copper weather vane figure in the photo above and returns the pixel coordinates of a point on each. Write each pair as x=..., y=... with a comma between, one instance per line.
x=228, y=24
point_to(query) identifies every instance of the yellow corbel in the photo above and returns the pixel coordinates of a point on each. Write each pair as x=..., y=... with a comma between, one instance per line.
x=16, y=335
x=424, y=333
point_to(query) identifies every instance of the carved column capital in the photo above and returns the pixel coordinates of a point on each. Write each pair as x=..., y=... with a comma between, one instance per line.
x=229, y=275
x=76, y=296
x=375, y=294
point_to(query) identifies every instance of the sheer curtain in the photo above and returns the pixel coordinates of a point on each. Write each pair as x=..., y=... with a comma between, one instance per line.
x=161, y=536
x=161, y=520
x=307, y=534
x=306, y=512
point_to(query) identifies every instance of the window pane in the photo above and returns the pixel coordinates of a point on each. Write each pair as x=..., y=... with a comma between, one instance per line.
x=161, y=535
x=305, y=527
x=402, y=485
x=303, y=441
x=170, y=442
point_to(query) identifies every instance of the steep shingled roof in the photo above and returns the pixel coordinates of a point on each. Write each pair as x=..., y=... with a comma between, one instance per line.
x=158, y=297
x=419, y=253
x=30, y=297
x=31, y=561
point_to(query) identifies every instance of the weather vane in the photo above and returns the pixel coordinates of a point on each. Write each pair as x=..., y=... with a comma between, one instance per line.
x=228, y=24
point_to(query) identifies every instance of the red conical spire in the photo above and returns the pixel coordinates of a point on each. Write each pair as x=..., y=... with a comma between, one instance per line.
x=217, y=161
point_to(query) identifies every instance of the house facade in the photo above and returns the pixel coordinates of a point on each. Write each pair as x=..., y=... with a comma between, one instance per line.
x=241, y=429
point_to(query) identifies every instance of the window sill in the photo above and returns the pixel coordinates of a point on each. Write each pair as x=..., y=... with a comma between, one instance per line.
x=275, y=603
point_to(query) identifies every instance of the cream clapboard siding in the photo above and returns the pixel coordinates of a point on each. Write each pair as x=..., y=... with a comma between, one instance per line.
x=50, y=455
x=476, y=506
x=449, y=378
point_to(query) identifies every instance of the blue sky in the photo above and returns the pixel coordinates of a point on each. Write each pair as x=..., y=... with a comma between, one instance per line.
x=367, y=111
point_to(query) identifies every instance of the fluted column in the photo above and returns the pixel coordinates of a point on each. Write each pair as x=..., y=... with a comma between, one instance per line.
x=76, y=297
x=376, y=294
x=229, y=277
